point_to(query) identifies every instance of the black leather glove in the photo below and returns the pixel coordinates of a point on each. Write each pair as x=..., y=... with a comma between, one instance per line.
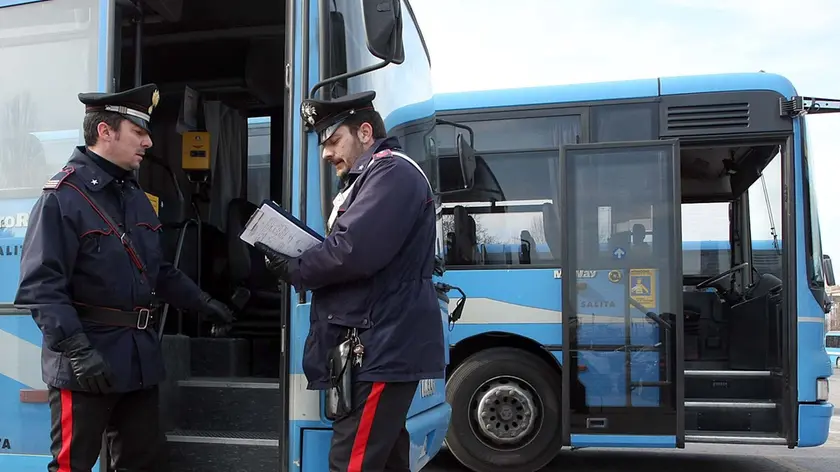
x=90, y=368
x=218, y=311
x=276, y=263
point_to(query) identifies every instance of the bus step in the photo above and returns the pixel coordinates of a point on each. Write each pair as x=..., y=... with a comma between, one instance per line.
x=731, y=404
x=712, y=437
x=232, y=404
x=728, y=373
x=220, y=357
x=217, y=451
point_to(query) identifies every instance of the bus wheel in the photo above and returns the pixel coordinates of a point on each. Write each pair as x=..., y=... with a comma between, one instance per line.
x=505, y=411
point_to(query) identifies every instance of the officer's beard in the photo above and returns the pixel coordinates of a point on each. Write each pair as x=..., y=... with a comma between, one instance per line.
x=357, y=150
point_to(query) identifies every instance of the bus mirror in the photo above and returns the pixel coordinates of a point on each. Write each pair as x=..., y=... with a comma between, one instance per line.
x=383, y=27
x=466, y=159
x=456, y=175
x=828, y=270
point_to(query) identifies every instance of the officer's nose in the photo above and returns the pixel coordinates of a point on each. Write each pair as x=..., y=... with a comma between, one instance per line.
x=327, y=154
x=146, y=142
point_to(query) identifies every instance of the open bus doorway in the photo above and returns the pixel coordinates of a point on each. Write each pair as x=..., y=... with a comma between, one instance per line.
x=218, y=132
x=216, y=64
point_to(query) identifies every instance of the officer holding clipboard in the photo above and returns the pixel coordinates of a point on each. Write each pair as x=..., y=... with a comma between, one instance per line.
x=376, y=327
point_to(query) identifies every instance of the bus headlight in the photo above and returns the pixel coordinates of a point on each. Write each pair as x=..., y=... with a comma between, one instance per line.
x=822, y=390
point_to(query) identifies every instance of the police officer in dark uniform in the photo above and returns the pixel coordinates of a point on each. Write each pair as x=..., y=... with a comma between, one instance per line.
x=371, y=277
x=92, y=271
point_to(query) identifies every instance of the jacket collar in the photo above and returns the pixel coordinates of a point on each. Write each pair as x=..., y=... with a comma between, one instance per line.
x=363, y=161
x=93, y=176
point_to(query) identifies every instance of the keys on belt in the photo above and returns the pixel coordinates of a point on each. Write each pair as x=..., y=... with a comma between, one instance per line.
x=141, y=318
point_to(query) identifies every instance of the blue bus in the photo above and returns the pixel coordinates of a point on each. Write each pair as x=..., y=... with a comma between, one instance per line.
x=237, y=400
x=636, y=275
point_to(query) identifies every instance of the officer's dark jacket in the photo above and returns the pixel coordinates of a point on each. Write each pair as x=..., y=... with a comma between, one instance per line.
x=71, y=256
x=374, y=272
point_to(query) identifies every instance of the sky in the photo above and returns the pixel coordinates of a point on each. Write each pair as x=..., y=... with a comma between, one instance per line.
x=490, y=44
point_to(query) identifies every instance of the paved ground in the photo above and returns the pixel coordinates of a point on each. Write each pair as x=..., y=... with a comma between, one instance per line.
x=695, y=457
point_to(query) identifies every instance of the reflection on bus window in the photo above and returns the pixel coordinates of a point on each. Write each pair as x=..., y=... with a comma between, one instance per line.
x=22, y=155
x=259, y=159
x=510, y=217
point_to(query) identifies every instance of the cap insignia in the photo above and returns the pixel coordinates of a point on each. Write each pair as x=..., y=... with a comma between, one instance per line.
x=309, y=113
x=155, y=100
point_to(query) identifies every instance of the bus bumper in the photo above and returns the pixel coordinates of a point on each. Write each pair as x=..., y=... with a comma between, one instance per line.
x=814, y=421
x=430, y=429
x=27, y=463
x=24, y=463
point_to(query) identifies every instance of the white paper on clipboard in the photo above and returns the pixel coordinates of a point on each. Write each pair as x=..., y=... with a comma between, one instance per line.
x=278, y=231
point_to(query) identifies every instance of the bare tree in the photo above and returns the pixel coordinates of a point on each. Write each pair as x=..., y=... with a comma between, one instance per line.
x=833, y=322
x=538, y=229
x=482, y=234
x=448, y=223
x=22, y=156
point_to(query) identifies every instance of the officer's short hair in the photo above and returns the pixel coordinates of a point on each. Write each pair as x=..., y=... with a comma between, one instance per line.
x=354, y=122
x=92, y=120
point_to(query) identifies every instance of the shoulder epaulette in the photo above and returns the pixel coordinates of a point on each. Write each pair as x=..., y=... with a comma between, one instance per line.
x=58, y=178
x=383, y=154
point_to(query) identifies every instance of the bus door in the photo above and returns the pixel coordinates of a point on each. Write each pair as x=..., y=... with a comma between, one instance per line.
x=622, y=294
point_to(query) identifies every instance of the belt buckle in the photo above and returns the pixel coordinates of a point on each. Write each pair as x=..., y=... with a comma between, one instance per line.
x=143, y=318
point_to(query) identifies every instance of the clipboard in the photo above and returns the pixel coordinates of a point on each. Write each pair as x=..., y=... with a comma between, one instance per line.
x=279, y=230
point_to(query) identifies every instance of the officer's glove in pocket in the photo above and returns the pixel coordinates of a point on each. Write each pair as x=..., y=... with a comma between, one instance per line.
x=88, y=365
x=276, y=263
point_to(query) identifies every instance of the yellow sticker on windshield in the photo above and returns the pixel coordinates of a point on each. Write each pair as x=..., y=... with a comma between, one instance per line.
x=643, y=287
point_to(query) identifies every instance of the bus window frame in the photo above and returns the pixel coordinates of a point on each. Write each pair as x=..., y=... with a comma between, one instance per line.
x=468, y=117
x=811, y=228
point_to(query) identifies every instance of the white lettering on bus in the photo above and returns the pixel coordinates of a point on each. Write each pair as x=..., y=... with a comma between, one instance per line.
x=581, y=274
x=427, y=387
x=21, y=220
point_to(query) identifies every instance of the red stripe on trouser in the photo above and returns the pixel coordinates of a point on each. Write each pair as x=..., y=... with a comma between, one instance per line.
x=66, y=430
x=357, y=456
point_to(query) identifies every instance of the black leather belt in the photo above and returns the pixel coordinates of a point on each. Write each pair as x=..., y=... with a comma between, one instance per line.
x=141, y=318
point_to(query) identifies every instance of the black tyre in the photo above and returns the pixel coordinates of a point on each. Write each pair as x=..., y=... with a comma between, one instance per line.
x=518, y=397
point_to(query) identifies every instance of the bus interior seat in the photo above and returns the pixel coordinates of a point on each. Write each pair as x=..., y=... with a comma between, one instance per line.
x=465, y=237
x=551, y=226
x=756, y=323
x=767, y=283
x=449, y=244
x=705, y=333
x=527, y=247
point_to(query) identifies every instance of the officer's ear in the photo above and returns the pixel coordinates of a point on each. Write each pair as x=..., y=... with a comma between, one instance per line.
x=106, y=132
x=365, y=133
